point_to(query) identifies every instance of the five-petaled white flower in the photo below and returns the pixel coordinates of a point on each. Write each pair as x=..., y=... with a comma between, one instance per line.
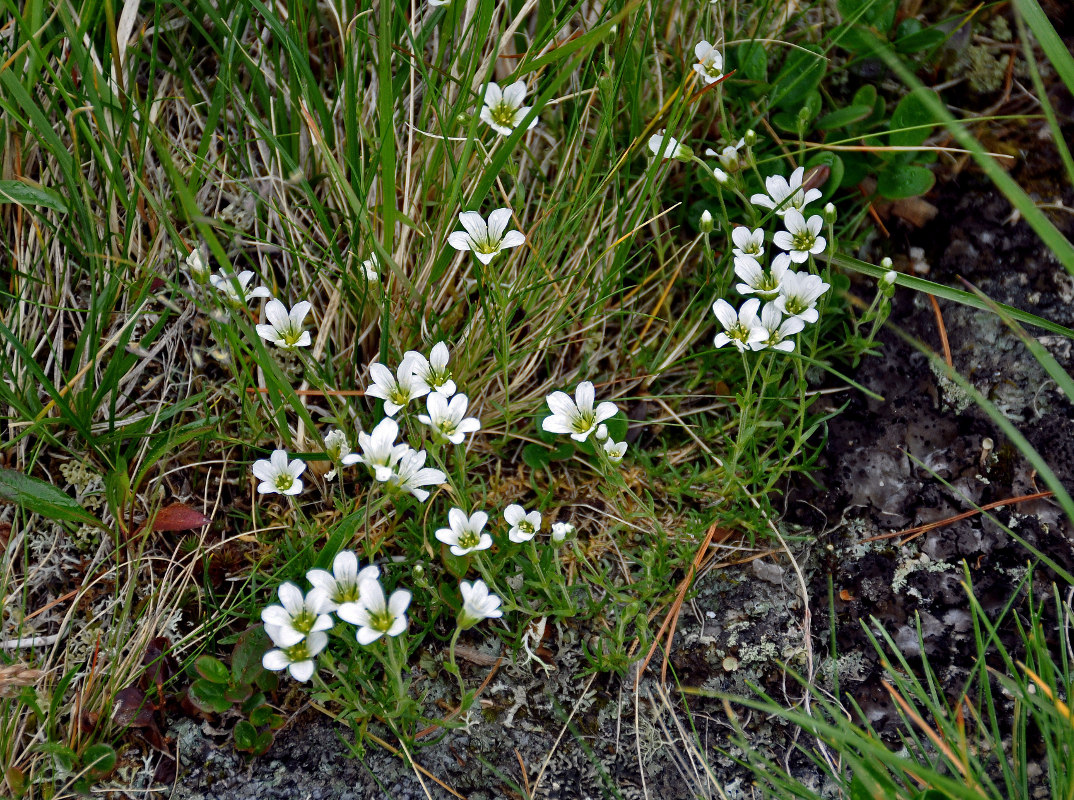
x=576, y=416
x=561, y=530
x=798, y=295
x=524, y=525
x=503, y=110
x=783, y=195
x=737, y=324
x=336, y=448
x=615, y=451
x=297, y=616
x=772, y=330
x=486, y=240
x=710, y=67
x=802, y=236
x=379, y=453
x=756, y=281
x=233, y=287
x=373, y=614
x=664, y=146
x=410, y=474
x=747, y=242
x=728, y=155
x=465, y=533
x=396, y=390
x=297, y=658
x=342, y=584
x=477, y=604
x=434, y=369
x=284, y=328
x=448, y=419
x=277, y=475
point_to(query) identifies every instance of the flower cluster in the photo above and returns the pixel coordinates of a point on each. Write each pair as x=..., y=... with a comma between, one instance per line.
x=790, y=297
x=577, y=417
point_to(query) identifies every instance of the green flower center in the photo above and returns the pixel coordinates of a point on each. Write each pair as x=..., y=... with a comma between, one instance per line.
x=284, y=481
x=438, y=377
x=298, y=652
x=739, y=332
x=526, y=527
x=803, y=240
x=346, y=593
x=584, y=422
x=503, y=114
x=795, y=305
x=381, y=620
x=469, y=540
x=711, y=69
x=446, y=426
x=399, y=395
x=303, y=621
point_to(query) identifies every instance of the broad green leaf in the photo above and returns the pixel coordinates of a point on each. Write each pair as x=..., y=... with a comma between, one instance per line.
x=801, y=74
x=212, y=670
x=245, y=736
x=99, y=759
x=25, y=195
x=43, y=498
x=844, y=116
x=907, y=180
x=912, y=119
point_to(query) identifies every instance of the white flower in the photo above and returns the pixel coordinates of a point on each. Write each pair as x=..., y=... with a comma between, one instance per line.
x=802, y=236
x=710, y=67
x=297, y=658
x=368, y=269
x=747, y=242
x=335, y=445
x=477, y=604
x=379, y=453
x=664, y=146
x=284, y=328
x=756, y=281
x=434, y=369
x=503, y=110
x=374, y=615
x=447, y=419
x=465, y=534
x=342, y=584
x=561, y=530
x=524, y=525
x=798, y=294
x=289, y=623
x=197, y=266
x=486, y=240
x=728, y=155
x=615, y=451
x=736, y=324
x=780, y=190
x=396, y=390
x=410, y=474
x=276, y=475
x=576, y=417
x=225, y=283
x=772, y=330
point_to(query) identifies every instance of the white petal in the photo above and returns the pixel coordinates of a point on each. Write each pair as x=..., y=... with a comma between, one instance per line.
x=606, y=410
x=561, y=405
x=367, y=636
x=399, y=602
x=515, y=94
x=725, y=313
x=459, y=240
x=275, y=660
x=493, y=94
x=292, y=599
x=584, y=396
x=475, y=225
x=514, y=514
x=512, y=239
x=556, y=425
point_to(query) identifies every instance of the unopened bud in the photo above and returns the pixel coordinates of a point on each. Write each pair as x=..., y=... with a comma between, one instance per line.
x=890, y=277
x=750, y=137
x=706, y=225
x=561, y=530
x=721, y=176
x=829, y=213
x=602, y=429
x=885, y=262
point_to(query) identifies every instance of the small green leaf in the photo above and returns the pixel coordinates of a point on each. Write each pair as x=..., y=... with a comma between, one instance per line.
x=261, y=715
x=844, y=116
x=536, y=456
x=208, y=697
x=800, y=75
x=245, y=736
x=43, y=498
x=254, y=701
x=912, y=113
x=25, y=195
x=836, y=171
x=264, y=742
x=753, y=61
x=905, y=181
x=212, y=669
x=246, y=657
x=239, y=693
x=99, y=759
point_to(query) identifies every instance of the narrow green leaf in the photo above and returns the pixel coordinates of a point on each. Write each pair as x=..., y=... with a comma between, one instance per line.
x=43, y=498
x=24, y=194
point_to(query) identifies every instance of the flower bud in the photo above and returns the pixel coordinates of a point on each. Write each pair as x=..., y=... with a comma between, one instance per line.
x=561, y=530
x=197, y=266
x=829, y=214
x=602, y=429
x=885, y=262
x=750, y=137
x=890, y=277
x=721, y=176
x=706, y=225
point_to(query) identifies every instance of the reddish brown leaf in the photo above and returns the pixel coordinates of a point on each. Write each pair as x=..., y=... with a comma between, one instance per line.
x=179, y=517
x=132, y=709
